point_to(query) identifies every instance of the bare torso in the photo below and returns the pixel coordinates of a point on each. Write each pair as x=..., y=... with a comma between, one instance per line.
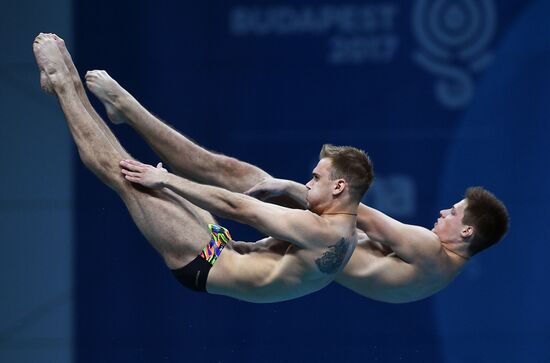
x=272, y=270
x=378, y=273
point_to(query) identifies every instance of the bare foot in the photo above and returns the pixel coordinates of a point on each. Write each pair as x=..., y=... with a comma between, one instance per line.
x=75, y=77
x=44, y=81
x=109, y=93
x=53, y=72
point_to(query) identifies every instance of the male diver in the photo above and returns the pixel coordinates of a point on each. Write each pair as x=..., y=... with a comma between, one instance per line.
x=306, y=250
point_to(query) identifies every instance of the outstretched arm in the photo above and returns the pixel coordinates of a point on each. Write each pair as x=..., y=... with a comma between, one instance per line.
x=275, y=188
x=407, y=241
x=299, y=227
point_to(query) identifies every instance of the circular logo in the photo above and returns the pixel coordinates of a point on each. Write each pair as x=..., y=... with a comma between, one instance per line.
x=453, y=36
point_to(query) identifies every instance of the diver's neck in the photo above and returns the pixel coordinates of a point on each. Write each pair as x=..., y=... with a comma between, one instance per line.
x=457, y=250
x=340, y=209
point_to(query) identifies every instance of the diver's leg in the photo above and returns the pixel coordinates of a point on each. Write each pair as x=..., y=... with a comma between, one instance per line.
x=185, y=157
x=175, y=227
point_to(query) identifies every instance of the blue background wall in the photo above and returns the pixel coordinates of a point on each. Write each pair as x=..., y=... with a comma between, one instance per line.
x=442, y=94
x=36, y=195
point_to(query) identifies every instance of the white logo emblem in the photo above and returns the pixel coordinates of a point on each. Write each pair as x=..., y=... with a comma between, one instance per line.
x=453, y=37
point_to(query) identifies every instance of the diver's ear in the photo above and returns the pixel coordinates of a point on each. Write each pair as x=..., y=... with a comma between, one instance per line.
x=467, y=232
x=339, y=186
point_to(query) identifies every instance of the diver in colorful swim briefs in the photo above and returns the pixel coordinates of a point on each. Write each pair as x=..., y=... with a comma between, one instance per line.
x=173, y=212
x=320, y=239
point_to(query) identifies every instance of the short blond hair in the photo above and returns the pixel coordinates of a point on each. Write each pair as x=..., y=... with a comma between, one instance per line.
x=351, y=164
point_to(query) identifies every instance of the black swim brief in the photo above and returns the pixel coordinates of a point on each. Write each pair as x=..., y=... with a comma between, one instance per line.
x=194, y=274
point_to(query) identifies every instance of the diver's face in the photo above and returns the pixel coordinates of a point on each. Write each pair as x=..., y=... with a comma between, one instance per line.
x=449, y=226
x=320, y=186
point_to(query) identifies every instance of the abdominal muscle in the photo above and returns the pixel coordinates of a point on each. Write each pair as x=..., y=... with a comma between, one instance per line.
x=267, y=271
